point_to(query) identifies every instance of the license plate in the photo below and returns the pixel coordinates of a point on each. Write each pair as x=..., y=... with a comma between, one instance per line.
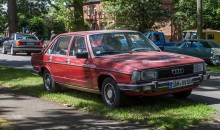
x=30, y=43
x=180, y=83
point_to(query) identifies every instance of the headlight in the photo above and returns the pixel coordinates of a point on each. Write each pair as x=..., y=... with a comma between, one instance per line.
x=198, y=67
x=143, y=75
x=148, y=74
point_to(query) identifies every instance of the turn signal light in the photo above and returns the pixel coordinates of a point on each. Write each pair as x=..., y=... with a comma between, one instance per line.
x=19, y=43
x=40, y=43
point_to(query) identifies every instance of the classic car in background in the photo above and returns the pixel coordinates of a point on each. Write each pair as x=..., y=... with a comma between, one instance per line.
x=116, y=64
x=205, y=49
x=21, y=42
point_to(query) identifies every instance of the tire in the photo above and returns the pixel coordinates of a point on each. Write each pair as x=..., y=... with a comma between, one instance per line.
x=28, y=53
x=111, y=95
x=12, y=51
x=183, y=94
x=3, y=50
x=49, y=84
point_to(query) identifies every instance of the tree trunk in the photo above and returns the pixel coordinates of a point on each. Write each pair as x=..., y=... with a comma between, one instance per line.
x=78, y=15
x=199, y=19
x=12, y=16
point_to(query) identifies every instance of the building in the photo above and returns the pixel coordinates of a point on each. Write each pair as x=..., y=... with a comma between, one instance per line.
x=94, y=15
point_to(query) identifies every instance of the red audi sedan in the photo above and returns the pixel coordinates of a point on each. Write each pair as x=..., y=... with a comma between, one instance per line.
x=116, y=64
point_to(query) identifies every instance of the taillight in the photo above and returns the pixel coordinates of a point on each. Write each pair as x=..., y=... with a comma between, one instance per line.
x=19, y=43
x=40, y=43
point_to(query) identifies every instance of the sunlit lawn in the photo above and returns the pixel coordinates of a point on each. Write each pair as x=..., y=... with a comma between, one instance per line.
x=163, y=112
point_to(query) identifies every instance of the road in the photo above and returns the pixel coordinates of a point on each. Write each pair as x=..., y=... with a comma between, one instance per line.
x=208, y=93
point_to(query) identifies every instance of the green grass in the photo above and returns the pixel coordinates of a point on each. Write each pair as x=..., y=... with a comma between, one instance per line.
x=213, y=68
x=4, y=124
x=163, y=112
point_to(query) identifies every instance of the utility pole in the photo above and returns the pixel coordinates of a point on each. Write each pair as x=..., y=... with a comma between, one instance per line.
x=199, y=19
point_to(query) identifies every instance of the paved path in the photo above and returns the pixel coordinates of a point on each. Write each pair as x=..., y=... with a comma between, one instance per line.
x=31, y=113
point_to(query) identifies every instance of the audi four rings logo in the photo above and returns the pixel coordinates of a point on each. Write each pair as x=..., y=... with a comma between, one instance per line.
x=178, y=71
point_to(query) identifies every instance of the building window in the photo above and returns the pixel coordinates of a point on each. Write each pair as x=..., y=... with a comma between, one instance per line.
x=88, y=10
x=103, y=26
x=210, y=36
x=94, y=9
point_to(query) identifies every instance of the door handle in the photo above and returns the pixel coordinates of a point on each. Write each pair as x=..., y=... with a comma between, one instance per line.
x=50, y=58
x=68, y=61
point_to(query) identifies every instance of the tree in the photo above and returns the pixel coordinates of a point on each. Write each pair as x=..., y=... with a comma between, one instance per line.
x=3, y=18
x=12, y=16
x=141, y=15
x=71, y=12
x=185, y=14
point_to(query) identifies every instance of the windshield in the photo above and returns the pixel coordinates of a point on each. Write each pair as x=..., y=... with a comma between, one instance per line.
x=118, y=43
x=213, y=44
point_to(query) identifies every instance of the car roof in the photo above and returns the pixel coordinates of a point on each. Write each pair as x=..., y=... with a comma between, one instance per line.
x=96, y=32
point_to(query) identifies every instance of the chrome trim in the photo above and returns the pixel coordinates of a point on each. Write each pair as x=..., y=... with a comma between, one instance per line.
x=159, y=85
x=96, y=91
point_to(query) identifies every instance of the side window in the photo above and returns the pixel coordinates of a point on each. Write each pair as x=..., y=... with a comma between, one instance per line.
x=61, y=46
x=195, y=44
x=78, y=45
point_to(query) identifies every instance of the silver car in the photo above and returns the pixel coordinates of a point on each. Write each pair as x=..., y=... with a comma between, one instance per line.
x=21, y=42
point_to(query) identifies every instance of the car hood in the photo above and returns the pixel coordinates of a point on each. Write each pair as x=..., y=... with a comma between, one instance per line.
x=129, y=62
x=216, y=51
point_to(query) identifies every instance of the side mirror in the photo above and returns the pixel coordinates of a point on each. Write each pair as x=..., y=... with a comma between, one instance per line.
x=82, y=55
x=161, y=48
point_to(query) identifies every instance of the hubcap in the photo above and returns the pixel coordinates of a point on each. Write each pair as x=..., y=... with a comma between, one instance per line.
x=47, y=81
x=109, y=94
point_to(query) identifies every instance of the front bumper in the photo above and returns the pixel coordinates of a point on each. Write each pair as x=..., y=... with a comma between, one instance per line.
x=161, y=86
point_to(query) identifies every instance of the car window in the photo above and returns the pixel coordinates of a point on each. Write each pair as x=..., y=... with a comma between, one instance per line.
x=78, y=45
x=61, y=46
x=205, y=44
x=213, y=44
x=118, y=43
x=194, y=44
x=26, y=37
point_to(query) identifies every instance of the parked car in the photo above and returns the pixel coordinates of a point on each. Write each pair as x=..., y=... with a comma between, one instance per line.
x=208, y=50
x=97, y=62
x=21, y=42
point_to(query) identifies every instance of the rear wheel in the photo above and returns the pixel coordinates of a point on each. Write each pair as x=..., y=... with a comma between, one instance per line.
x=183, y=94
x=3, y=50
x=12, y=51
x=112, y=96
x=49, y=84
x=28, y=53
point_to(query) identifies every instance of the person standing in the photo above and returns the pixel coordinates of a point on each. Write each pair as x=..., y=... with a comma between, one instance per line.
x=52, y=35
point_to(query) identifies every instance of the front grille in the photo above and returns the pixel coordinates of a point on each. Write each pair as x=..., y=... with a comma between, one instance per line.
x=167, y=72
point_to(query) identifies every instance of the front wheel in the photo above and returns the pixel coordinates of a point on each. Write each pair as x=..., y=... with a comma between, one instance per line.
x=112, y=96
x=49, y=84
x=183, y=94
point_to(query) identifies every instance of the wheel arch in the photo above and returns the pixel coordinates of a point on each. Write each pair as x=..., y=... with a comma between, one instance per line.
x=101, y=79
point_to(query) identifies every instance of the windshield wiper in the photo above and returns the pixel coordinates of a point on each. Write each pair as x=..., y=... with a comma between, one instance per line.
x=109, y=52
x=139, y=49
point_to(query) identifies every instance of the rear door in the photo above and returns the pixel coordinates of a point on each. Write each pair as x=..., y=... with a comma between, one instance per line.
x=56, y=58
